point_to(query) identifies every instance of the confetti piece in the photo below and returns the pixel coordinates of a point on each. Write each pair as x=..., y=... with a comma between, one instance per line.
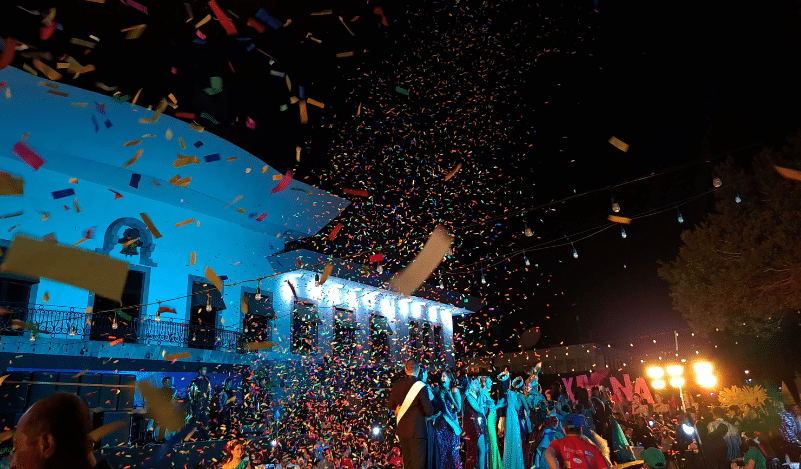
x=46, y=297
x=181, y=143
x=58, y=93
x=89, y=270
x=213, y=278
x=160, y=407
x=213, y=157
x=192, y=258
x=3, y=378
x=253, y=346
x=98, y=433
x=410, y=278
x=203, y=21
x=255, y=25
x=30, y=70
x=277, y=177
x=177, y=356
x=7, y=434
x=617, y=219
x=619, y=144
x=134, y=32
x=7, y=56
x=135, y=158
x=185, y=160
x=225, y=22
x=250, y=123
x=62, y=193
x=185, y=222
x=116, y=342
x=185, y=115
x=132, y=143
x=10, y=185
x=262, y=216
x=196, y=127
x=284, y=182
x=46, y=70
x=345, y=54
x=356, y=192
x=81, y=42
x=11, y=215
x=326, y=272
x=402, y=91
x=453, y=172
x=266, y=18
x=788, y=173
x=135, y=178
x=236, y=199
x=243, y=304
x=376, y=258
x=335, y=231
x=315, y=103
x=150, y=226
x=138, y=6
x=129, y=242
x=22, y=151
x=77, y=207
x=78, y=375
x=292, y=287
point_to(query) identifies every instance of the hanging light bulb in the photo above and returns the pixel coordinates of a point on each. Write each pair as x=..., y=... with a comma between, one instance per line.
x=208, y=304
x=717, y=182
x=527, y=229
x=258, y=292
x=158, y=317
x=681, y=218
x=194, y=337
x=622, y=232
x=615, y=205
x=114, y=323
x=72, y=331
x=246, y=329
x=575, y=253
x=526, y=259
x=380, y=269
x=737, y=198
x=33, y=337
x=483, y=279
x=441, y=284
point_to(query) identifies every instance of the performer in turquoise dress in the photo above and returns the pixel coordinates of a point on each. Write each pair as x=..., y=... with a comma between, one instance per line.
x=514, y=432
x=493, y=453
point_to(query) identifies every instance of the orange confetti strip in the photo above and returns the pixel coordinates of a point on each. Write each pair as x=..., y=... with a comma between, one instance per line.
x=316, y=103
x=326, y=272
x=116, y=342
x=345, y=54
x=132, y=143
x=617, y=219
x=135, y=158
x=185, y=222
x=253, y=346
x=193, y=258
x=46, y=70
x=788, y=173
x=150, y=226
x=453, y=172
x=620, y=145
x=304, y=115
x=213, y=278
x=177, y=356
x=76, y=376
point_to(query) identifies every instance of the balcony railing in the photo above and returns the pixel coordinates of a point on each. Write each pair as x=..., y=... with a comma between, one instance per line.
x=108, y=327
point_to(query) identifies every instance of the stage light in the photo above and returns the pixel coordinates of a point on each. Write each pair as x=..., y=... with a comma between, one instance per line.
x=655, y=372
x=376, y=430
x=675, y=370
x=677, y=381
x=707, y=381
x=274, y=443
x=703, y=368
x=688, y=429
x=575, y=253
x=658, y=384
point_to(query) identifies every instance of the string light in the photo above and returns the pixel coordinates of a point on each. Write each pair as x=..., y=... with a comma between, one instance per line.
x=575, y=253
x=72, y=331
x=681, y=218
x=33, y=337
x=483, y=279
x=441, y=284
x=526, y=260
x=737, y=198
x=623, y=232
x=380, y=269
x=114, y=323
x=615, y=205
x=258, y=291
x=208, y=304
x=717, y=182
x=527, y=229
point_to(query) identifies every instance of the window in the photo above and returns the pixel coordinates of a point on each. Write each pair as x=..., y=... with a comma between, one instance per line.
x=257, y=324
x=414, y=338
x=438, y=344
x=305, y=322
x=345, y=327
x=205, y=302
x=104, y=317
x=379, y=337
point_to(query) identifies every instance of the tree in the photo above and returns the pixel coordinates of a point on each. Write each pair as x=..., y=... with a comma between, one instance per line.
x=740, y=270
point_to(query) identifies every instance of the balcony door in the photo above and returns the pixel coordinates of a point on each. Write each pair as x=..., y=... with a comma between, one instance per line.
x=104, y=316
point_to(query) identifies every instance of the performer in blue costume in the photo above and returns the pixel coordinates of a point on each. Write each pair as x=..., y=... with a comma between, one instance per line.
x=516, y=426
x=493, y=453
x=447, y=404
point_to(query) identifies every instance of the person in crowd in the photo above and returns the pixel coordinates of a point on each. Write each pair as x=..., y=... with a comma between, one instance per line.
x=638, y=407
x=447, y=405
x=791, y=431
x=660, y=406
x=753, y=458
x=653, y=458
x=572, y=451
x=517, y=424
x=733, y=440
x=552, y=430
x=227, y=405
x=199, y=396
x=235, y=457
x=533, y=398
x=643, y=434
x=475, y=426
x=171, y=395
x=411, y=405
x=493, y=453
x=713, y=449
x=55, y=433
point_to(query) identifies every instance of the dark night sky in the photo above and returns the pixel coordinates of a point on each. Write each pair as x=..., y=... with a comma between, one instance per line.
x=526, y=95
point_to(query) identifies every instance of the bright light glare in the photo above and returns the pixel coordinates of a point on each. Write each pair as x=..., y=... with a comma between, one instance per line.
x=688, y=429
x=703, y=368
x=655, y=372
x=274, y=443
x=675, y=370
x=658, y=384
x=376, y=431
x=707, y=381
x=677, y=381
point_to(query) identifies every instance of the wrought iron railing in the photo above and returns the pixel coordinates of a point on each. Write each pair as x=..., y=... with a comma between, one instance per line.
x=108, y=326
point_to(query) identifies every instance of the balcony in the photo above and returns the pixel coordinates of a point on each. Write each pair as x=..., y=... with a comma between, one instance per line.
x=71, y=324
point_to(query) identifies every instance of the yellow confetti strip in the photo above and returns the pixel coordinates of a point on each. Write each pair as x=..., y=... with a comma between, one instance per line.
x=172, y=98
x=203, y=21
x=316, y=103
x=195, y=126
x=616, y=219
x=47, y=71
x=193, y=258
x=132, y=143
x=213, y=278
x=81, y=42
x=620, y=145
x=345, y=54
x=134, y=32
x=277, y=177
x=73, y=180
x=76, y=376
x=453, y=172
x=150, y=226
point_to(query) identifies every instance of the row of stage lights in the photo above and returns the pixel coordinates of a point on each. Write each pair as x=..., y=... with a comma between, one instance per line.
x=704, y=375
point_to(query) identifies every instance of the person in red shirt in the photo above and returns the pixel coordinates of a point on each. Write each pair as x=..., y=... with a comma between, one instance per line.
x=346, y=462
x=573, y=451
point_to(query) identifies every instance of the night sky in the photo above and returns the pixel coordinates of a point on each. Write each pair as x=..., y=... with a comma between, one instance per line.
x=524, y=95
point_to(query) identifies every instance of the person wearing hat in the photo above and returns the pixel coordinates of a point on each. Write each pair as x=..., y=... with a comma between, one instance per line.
x=573, y=451
x=653, y=458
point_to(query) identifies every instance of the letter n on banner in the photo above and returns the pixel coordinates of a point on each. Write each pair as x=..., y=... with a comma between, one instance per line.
x=617, y=388
x=583, y=382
